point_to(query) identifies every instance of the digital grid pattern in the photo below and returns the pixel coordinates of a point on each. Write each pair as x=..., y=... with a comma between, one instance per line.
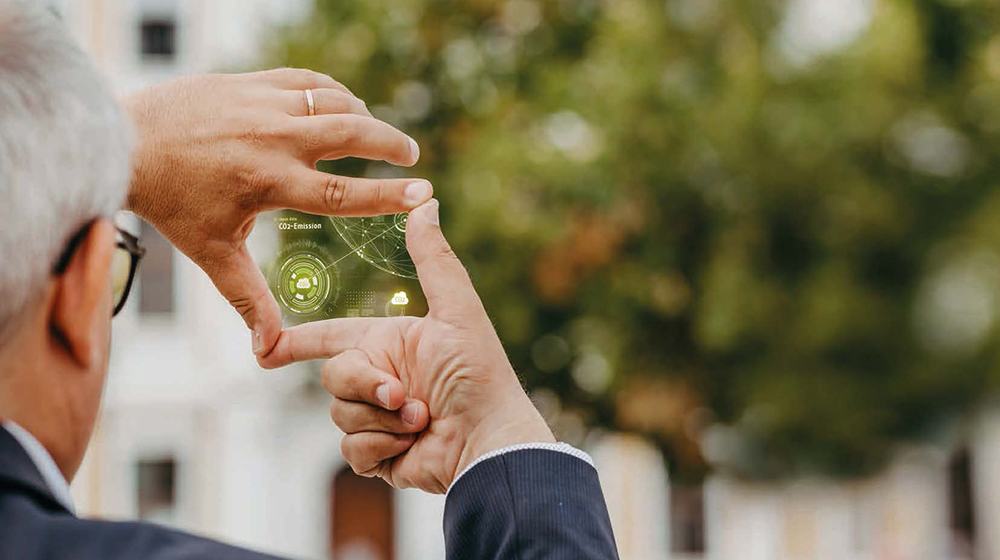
x=379, y=241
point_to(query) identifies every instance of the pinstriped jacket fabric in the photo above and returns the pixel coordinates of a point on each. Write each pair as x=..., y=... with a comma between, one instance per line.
x=530, y=504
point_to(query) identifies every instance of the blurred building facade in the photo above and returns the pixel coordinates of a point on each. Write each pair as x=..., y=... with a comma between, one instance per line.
x=194, y=435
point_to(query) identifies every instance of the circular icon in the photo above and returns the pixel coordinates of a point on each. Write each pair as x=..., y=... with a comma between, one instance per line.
x=379, y=241
x=400, y=221
x=305, y=284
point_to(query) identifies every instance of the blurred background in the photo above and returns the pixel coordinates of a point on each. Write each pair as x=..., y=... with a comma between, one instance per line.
x=743, y=252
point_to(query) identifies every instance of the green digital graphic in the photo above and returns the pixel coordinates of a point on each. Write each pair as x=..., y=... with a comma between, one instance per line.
x=358, y=268
x=306, y=280
x=380, y=241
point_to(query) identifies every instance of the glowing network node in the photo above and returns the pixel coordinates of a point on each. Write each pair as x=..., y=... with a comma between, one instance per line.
x=380, y=241
x=399, y=221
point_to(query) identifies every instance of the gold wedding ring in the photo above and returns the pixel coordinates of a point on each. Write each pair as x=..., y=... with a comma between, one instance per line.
x=311, y=102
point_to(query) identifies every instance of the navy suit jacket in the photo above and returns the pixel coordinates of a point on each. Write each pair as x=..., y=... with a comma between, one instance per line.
x=525, y=504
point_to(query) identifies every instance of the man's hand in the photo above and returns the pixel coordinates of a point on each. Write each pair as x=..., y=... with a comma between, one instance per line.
x=214, y=151
x=451, y=360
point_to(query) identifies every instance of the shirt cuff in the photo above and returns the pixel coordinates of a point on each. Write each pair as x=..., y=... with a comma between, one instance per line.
x=560, y=447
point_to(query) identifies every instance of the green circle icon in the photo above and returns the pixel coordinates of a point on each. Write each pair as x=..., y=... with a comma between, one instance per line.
x=305, y=283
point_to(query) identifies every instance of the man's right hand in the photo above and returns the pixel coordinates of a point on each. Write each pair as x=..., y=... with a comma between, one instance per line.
x=382, y=371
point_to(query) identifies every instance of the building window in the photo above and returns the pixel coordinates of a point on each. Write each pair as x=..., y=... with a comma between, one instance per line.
x=156, y=274
x=687, y=519
x=361, y=518
x=962, y=514
x=158, y=38
x=157, y=493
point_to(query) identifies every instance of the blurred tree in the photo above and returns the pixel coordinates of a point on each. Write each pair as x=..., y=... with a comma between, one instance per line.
x=762, y=233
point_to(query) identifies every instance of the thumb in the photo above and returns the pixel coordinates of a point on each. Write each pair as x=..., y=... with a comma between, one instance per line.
x=240, y=281
x=443, y=278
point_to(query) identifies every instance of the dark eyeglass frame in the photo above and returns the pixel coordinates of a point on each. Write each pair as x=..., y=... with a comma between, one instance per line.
x=126, y=241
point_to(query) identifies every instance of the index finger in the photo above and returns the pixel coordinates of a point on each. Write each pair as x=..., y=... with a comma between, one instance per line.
x=316, y=341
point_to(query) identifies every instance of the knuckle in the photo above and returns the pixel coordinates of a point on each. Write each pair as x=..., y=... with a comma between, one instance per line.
x=306, y=76
x=343, y=102
x=378, y=193
x=339, y=137
x=254, y=136
x=243, y=305
x=335, y=195
x=348, y=449
x=310, y=143
x=349, y=130
x=258, y=184
x=357, y=387
x=338, y=85
x=368, y=446
x=445, y=252
x=353, y=449
x=384, y=421
x=319, y=79
x=339, y=102
x=338, y=414
x=358, y=106
x=274, y=74
x=370, y=473
x=337, y=378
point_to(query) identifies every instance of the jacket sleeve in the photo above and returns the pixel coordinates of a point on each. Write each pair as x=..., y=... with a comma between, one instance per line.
x=528, y=504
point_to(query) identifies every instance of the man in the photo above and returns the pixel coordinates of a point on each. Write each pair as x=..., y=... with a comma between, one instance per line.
x=213, y=152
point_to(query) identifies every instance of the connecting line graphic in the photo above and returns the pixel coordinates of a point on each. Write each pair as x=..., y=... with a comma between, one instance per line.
x=356, y=249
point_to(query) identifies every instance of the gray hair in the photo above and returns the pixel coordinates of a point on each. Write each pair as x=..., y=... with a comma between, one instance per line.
x=64, y=149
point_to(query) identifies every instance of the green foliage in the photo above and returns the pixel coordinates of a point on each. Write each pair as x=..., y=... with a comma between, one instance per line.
x=680, y=217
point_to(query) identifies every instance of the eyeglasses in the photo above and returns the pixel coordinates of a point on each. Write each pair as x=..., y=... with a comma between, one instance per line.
x=124, y=262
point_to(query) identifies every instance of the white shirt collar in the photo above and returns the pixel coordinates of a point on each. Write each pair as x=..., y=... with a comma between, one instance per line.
x=51, y=474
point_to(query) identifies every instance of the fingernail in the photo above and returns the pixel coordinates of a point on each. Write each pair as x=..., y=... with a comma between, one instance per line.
x=409, y=413
x=432, y=213
x=414, y=150
x=417, y=193
x=258, y=343
x=382, y=395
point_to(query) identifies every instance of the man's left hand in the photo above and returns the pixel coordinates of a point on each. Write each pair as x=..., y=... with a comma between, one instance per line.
x=214, y=151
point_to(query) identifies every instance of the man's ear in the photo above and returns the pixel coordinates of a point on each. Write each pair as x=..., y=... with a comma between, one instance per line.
x=83, y=296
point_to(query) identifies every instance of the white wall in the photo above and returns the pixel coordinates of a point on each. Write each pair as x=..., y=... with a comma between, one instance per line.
x=901, y=514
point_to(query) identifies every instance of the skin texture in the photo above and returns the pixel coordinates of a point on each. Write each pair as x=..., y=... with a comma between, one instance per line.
x=382, y=371
x=214, y=151
x=52, y=370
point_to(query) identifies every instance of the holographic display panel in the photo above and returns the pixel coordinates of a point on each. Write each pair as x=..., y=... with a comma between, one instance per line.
x=344, y=267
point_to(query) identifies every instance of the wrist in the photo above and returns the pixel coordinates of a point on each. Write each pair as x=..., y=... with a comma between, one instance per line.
x=510, y=426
